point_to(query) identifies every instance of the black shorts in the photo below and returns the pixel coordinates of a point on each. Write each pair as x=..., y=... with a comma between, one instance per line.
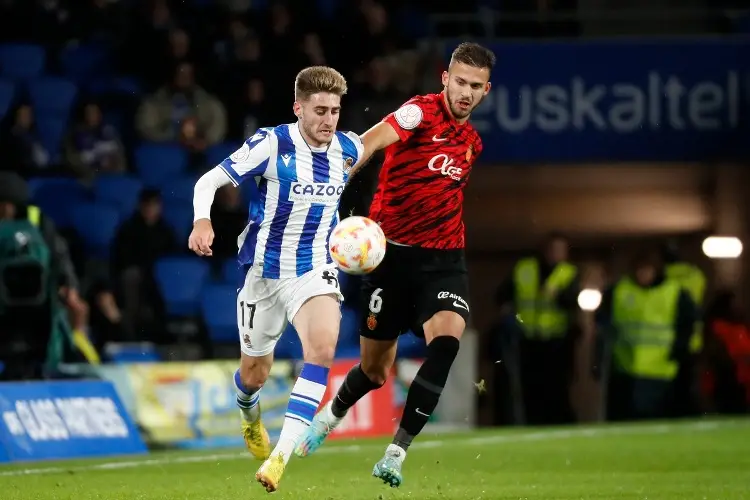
x=409, y=287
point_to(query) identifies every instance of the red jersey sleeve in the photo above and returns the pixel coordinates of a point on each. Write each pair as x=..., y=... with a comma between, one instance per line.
x=415, y=115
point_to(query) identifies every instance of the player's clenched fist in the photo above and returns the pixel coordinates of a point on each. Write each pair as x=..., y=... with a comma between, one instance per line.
x=201, y=238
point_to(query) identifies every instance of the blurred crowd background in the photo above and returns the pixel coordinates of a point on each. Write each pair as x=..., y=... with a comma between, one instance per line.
x=111, y=109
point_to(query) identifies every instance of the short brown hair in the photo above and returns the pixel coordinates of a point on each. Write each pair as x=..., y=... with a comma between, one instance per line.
x=316, y=79
x=475, y=55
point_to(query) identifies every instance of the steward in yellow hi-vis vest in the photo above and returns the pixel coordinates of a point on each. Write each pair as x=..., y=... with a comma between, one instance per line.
x=543, y=291
x=648, y=320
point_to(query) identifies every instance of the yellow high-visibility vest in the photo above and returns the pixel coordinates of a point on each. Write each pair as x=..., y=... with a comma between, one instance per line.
x=645, y=322
x=693, y=281
x=536, y=306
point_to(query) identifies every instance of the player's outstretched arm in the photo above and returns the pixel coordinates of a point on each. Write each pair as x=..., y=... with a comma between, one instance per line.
x=202, y=235
x=378, y=137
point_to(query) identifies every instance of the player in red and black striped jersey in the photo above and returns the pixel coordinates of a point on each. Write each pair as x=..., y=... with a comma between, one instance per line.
x=421, y=285
x=419, y=199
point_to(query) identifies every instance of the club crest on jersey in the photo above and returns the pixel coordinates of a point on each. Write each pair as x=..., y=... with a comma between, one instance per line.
x=348, y=163
x=469, y=152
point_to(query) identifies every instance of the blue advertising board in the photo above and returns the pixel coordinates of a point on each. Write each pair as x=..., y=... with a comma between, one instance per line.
x=65, y=419
x=659, y=100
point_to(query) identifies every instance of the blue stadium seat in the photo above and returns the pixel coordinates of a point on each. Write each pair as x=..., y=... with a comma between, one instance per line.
x=7, y=95
x=219, y=309
x=123, y=86
x=82, y=62
x=55, y=196
x=179, y=216
x=52, y=96
x=20, y=61
x=348, y=344
x=410, y=346
x=230, y=273
x=179, y=190
x=121, y=191
x=96, y=224
x=180, y=281
x=288, y=346
x=158, y=164
x=219, y=152
x=51, y=131
x=136, y=352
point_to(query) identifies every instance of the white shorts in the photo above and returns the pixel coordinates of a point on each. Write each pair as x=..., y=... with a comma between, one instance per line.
x=265, y=306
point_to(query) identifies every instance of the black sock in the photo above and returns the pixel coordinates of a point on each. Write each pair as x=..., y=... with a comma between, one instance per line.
x=426, y=388
x=355, y=386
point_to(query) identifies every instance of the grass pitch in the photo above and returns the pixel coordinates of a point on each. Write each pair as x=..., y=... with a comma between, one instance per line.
x=702, y=460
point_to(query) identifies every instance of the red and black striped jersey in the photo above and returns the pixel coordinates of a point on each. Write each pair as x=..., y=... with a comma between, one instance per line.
x=420, y=193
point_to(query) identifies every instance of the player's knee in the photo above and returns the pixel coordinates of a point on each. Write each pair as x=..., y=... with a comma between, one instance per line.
x=320, y=353
x=254, y=373
x=376, y=372
x=444, y=323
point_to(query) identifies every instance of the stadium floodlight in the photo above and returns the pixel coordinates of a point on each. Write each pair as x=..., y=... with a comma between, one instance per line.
x=589, y=299
x=722, y=247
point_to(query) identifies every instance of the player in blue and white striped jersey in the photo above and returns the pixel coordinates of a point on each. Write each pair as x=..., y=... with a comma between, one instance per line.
x=301, y=170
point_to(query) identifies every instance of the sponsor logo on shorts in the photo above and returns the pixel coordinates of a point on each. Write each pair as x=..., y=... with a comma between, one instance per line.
x=321, y=193
x=458, y=301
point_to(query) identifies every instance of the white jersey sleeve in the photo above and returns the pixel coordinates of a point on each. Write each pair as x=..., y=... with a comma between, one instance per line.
x=251, y=160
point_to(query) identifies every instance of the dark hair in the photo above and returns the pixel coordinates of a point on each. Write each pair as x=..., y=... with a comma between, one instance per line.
x=475, y=55
x=149, y=195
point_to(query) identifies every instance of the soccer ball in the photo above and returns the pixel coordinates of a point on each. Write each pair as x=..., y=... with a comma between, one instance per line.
x=357, y=245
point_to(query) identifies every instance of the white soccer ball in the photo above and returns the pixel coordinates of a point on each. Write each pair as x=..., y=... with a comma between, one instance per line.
x=357, y=245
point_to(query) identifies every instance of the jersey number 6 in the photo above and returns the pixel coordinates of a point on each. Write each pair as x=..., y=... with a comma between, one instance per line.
x=376, y=301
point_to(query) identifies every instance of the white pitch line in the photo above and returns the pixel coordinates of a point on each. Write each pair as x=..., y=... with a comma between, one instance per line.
x=556, y=434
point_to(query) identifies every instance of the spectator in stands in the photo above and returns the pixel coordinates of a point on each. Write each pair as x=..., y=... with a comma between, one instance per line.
x=229, y=217
x=21, y=145
x=139, y=242
x=106, y=316
x=93, y=146
x=250, y=111
x=163, y=116
x=103, y=21
x=66, y=309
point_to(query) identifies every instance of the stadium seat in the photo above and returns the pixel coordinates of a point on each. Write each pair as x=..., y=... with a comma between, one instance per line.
x=51, y=131
x=7, y=95
x=219, y=309
x=348, y=344
x=52, y=96
x=179, y=190
x=219, y=152
x=121, y=191
x=180, y=281
x=158, y=164
x=230, y=273
x=410, y=346
x=82, y=62
x=179, y=216
x=96, y=224
x=20, y=61
x=123, y=86
x=55, y=196
x=136, y=352
x=288, y=346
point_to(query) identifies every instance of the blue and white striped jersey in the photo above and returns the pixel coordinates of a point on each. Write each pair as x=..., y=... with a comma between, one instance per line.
x=299, y=191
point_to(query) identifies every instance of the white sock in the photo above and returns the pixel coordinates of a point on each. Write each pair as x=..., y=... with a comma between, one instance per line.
x=247, y=399
x=303, y=403
x=396, y=451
